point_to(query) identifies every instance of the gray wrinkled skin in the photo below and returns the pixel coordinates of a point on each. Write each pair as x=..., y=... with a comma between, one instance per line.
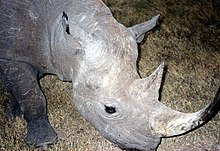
x=81, y=42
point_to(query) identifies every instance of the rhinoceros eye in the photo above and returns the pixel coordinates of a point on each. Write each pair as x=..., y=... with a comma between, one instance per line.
x=110, y=109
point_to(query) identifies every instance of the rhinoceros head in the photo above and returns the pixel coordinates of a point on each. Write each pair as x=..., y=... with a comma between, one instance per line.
x=109, y=93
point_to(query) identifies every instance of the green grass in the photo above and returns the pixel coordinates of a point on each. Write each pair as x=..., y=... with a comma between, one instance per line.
x=186, y=39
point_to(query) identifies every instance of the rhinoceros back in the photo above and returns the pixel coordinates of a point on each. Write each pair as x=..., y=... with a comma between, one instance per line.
x=23, y=31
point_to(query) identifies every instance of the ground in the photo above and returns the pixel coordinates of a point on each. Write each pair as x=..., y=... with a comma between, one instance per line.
x=186, y=39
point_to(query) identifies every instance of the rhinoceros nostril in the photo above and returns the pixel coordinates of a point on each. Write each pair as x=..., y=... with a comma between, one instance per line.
x=110, y=109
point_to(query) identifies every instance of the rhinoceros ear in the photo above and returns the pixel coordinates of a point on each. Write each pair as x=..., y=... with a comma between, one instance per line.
x=139, y=30
x=65, y=23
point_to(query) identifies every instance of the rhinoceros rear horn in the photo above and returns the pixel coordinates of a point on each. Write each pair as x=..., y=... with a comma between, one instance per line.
x=139, y=30
x=148, y=87
x=168, y=122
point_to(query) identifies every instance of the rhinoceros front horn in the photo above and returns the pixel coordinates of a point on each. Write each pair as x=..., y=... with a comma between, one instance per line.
x=163, y=120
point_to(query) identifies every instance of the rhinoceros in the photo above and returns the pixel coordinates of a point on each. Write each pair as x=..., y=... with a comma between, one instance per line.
x=81, y=42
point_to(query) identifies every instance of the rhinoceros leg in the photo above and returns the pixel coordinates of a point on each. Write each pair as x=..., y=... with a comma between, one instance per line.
x=21, y=81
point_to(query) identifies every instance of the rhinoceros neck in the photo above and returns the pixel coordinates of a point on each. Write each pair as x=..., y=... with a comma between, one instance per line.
x=69, y=50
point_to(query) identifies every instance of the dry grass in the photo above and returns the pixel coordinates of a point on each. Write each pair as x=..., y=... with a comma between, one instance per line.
x=187, y=40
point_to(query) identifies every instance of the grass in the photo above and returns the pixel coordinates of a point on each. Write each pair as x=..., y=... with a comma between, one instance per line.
x=186, y=39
